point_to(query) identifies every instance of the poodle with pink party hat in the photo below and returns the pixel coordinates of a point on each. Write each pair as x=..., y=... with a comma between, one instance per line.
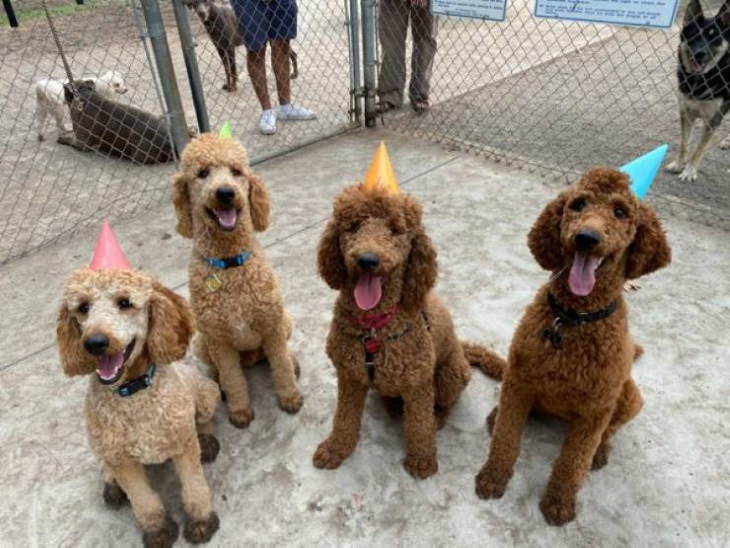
x=125, y=331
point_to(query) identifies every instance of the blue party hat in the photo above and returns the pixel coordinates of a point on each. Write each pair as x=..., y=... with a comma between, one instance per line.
x=642, y=171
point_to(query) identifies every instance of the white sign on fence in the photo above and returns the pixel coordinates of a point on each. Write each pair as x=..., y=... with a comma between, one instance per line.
x=492, y=10
x=641, y=13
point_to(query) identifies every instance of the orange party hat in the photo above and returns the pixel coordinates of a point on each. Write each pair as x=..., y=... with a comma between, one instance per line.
x=380, y=173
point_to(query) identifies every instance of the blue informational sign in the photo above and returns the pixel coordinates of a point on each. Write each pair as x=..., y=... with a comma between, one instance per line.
x=491, y=10
x=635, y=13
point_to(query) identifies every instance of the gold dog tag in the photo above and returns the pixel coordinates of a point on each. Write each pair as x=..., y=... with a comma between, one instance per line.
x=213, y=283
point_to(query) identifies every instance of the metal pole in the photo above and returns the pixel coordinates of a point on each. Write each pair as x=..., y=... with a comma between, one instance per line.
x=10, y=13
x=369, y=69
x=161, y=51
x=355, y=73
x=191, y=64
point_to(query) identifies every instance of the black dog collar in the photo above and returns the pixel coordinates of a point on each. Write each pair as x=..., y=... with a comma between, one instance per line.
x=228, y=262
x=135, y=385
x=567, y=317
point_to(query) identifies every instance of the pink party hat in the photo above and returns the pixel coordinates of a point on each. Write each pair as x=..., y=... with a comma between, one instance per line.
x=108, y=253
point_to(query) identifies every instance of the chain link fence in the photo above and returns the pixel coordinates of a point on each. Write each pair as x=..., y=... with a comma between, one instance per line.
x=51, y=190
x=545, y=94
x=550, y=95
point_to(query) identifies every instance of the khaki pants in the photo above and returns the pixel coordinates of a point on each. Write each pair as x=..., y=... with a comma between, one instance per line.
x=393, y=27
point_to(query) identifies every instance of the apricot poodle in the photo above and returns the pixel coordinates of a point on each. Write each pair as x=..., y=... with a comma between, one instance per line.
x=220, y=203
x=390, y=331
x=125, y=330
x=571, y=354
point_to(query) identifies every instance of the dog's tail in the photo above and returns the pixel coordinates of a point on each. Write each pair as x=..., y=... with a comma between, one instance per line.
x=486, y=360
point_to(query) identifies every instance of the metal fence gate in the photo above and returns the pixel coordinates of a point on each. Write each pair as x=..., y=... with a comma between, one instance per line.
x=541, y=94
x=50, y=191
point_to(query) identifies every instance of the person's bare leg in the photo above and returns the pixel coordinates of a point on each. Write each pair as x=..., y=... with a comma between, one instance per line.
x=280, y=63
x=256, y=65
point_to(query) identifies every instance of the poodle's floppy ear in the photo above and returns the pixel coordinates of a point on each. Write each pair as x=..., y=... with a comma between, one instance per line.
x=181, y=201
x=421, y=271
x=171, y=326
x=329, y=257
x=258, y=199
x=649, y=251
x=544, y=237
x=74, y=359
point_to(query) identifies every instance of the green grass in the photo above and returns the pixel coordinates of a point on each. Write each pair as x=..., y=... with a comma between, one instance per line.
x=69, y=7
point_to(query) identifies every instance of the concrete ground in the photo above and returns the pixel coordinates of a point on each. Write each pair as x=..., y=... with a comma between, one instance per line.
x=667, y=482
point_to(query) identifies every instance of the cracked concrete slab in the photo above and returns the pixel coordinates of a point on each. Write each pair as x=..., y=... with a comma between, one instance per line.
x=667, y=482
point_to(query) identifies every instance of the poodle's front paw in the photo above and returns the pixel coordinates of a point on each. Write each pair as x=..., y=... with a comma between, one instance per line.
x=675, y=167
x=491, y=419
x=209, y=447
x=600, y=458
x=291, y=404
x=557, y=509
x=689, y=174
x=421, y=467
x=164, y=537
x=329, y=455
x=241, y=418
x=114, y=496
x=490, y=485
x=200, y=531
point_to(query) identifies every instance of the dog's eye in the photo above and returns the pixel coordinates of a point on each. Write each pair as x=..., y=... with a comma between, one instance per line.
x=124, y=303
x=578, y=204
x=83, y=308
x=619, y=212
x=203, y=173
x=236, y=172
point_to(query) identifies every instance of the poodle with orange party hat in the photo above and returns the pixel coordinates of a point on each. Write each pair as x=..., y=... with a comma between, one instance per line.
x=390, y=332
x=125, y=331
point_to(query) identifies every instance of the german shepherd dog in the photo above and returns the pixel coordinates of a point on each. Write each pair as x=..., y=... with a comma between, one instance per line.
x=704, y=82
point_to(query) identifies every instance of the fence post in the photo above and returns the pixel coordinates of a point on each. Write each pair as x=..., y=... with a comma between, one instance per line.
x=355, y=72
x=191, y=64
x=166, y=72
x=369, y=68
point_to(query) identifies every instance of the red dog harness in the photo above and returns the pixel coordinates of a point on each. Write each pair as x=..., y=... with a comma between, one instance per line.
x=370, y=342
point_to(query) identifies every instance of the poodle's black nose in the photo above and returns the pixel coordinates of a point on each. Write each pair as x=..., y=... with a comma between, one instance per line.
x=586, y=239
x=225, y=195
x=368, y=261
x=96, y=344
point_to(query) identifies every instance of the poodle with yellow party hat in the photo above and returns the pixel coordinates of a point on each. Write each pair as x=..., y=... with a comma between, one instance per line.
x=390, y=332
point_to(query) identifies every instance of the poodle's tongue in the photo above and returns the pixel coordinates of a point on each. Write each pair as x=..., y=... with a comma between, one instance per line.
x=368, y=291
x=583, y=274
x=108, y=366
x=227, y=217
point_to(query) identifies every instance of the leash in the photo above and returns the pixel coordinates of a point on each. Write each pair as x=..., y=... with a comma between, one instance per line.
x=135, y=385
x=568, y=317
x=66, y=66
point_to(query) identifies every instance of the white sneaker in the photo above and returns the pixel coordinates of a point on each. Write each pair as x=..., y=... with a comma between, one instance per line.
x=267, y=122
x=294, y=112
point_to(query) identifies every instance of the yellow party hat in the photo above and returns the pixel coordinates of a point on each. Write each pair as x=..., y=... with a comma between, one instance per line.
x=380, y=173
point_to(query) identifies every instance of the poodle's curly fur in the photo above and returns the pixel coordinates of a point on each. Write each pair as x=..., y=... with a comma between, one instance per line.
x=421, y=365
x=170, y=419
x=241, y=318
x=586, y=379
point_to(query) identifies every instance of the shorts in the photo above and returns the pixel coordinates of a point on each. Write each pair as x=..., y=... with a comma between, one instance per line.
x=264, y=20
